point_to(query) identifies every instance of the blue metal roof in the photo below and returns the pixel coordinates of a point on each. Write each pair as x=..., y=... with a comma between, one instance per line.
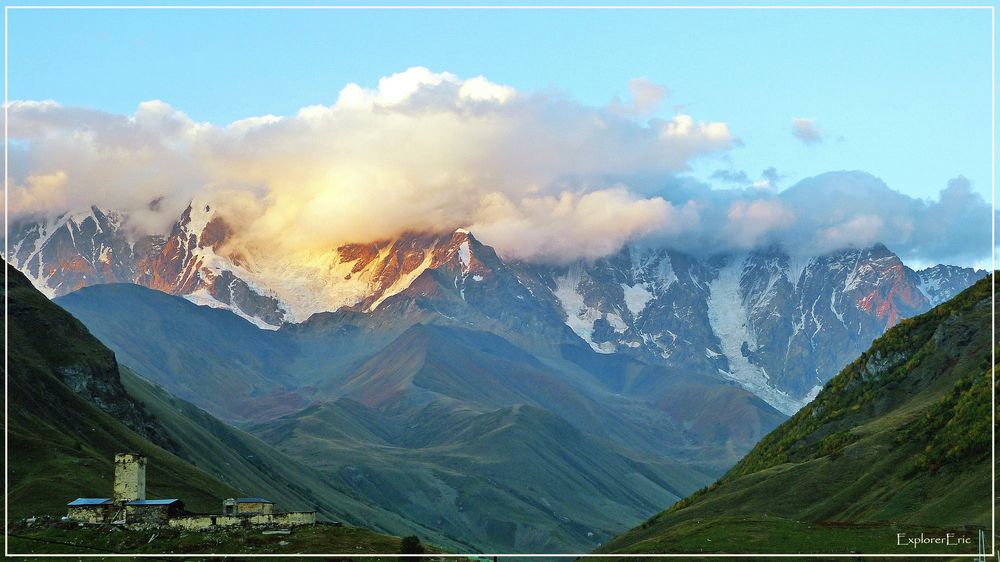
x=89, y=501
x=253, y=500
x=153, y=502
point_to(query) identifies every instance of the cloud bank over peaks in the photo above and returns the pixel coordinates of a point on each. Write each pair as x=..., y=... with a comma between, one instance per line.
x=420, y=151
x=537, y=175
x=846, y=209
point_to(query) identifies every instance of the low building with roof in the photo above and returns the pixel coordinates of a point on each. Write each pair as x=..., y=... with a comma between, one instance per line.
x=240, y=506
x=153, y=512
x=91, y=510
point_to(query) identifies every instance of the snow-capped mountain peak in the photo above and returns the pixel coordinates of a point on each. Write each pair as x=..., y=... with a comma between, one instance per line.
x=941, y=282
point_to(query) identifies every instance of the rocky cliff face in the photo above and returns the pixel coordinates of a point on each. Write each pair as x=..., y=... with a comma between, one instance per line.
x=91, y=247
x=73, y=250
x=778, y=325
x=57, y=344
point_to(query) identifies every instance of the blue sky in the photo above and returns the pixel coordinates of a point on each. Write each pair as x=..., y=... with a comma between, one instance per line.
x=902, y=94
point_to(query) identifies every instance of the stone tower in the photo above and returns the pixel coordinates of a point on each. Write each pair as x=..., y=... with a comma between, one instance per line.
x=130, y=477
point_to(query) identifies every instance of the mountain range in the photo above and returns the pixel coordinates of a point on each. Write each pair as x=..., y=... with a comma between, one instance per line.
x=420, y=372
x=778, y=325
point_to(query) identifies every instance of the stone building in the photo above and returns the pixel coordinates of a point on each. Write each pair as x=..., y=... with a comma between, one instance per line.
x=91, y=510
x=241, y=506
x=246, y=512
x=130, y=507
x=153, y=513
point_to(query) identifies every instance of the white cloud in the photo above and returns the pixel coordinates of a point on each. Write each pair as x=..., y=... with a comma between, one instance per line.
x=806, y=131
x=646, y=97
x=839, y=209
x=567, y=226
x=420, y=151
x=537, y=175
x=750, y=221
x=40, y=193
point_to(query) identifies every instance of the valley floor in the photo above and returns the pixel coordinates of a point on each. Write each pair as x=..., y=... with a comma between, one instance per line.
x=63, y=538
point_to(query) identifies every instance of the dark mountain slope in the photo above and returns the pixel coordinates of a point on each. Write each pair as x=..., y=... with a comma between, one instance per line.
x=481, y=370
x=222, y=360
x=710, y=409
x=190, y=349
x=897, y=442
x=514, y=479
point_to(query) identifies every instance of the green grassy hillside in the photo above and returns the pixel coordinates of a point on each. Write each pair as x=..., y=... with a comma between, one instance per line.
x=898, y=442
x=62, y=445
x=472, y=479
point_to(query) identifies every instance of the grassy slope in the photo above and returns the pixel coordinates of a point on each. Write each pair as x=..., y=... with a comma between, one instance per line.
x=61, y=445
x=475, y=483
x=897, y=442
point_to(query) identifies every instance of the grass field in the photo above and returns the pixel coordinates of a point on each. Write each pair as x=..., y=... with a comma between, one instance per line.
x=59, y=538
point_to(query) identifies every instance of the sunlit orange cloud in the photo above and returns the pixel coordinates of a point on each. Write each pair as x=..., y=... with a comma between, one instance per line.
x=421, y=151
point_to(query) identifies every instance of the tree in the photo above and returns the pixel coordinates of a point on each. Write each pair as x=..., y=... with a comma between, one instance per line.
x=411, y=545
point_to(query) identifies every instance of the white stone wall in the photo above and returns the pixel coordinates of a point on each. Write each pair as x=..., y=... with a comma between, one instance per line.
x=191, y=522
x=295, y=518
x=89, y=513
x=202, y=522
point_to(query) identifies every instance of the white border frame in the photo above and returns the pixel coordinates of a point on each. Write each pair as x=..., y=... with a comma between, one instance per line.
x=993, y=261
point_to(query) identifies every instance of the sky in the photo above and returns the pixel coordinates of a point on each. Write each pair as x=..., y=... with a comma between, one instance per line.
x=902, y=95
